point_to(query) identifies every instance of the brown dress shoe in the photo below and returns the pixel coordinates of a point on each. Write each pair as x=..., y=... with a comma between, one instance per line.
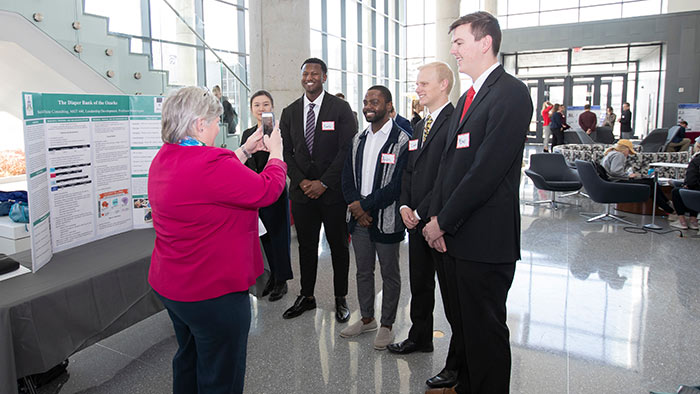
x=444, y=390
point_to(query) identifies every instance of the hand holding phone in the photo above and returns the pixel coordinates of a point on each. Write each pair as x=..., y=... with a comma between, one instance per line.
x=268, y=122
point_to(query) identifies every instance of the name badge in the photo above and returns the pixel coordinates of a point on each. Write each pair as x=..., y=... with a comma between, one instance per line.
x=412, y=144
x=388, y=158
x=328, y=125
x=463, y=141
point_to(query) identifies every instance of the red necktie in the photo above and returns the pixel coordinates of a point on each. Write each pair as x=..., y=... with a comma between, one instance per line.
x=467, y=102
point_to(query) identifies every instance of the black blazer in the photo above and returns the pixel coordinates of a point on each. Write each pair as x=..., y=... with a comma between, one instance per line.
x=258, y=162
x=404, y=123
x=330, y=147
x=423, y=163
x=626, y=121
x=476, y=195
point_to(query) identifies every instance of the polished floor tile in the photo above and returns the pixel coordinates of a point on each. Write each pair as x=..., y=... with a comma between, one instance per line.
x=594, y=308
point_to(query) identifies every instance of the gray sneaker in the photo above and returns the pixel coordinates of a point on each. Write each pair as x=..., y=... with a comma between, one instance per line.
x=384, y=337
x=357, y=328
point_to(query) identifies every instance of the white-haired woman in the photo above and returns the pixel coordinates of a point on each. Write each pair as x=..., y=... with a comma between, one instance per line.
x=207, y=252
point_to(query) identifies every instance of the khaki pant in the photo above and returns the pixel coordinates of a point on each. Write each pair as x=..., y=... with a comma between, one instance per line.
x=678, y=146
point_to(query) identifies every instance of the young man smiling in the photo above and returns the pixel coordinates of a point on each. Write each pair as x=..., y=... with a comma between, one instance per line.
x=433, y=86
x=474, y=208
x=317, y=129
x=371, y=186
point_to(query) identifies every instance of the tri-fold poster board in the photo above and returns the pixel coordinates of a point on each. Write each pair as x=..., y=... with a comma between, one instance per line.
x=87, y=159
x=691, y=114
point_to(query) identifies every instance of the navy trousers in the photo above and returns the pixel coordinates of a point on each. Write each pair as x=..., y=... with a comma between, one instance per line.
x=212, y=336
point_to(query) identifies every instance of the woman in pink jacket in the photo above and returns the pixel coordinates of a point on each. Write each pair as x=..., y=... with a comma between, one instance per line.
x=207, y=253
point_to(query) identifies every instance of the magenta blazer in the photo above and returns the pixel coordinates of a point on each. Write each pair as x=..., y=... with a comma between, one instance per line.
x=205, y=204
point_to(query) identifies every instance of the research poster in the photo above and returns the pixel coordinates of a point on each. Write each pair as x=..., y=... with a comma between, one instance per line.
x=87, y=163
x=572, y=114
x=691, y=114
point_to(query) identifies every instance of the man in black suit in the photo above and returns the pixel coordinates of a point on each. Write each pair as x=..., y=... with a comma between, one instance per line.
x=626, y=121
x=402, y=122
x=475, y=210
x=433, y=86
x=317, y=130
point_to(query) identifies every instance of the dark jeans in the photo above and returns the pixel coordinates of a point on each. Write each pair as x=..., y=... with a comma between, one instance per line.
x=678, y=204
x=212, y=336
x=307, y=220
x=277, y=240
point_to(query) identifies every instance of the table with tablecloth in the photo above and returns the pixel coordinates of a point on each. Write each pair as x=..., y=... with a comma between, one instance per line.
x=83, y=295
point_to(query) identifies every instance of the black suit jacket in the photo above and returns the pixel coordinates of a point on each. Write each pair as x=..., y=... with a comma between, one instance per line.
x=423, y=163
x=329, y=150
x=626, y=121
x=476, y=195
x=258, y=161
x=404, y=123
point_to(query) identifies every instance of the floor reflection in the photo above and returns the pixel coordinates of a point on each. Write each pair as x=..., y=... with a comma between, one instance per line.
x=589, y=316
x=592, y=309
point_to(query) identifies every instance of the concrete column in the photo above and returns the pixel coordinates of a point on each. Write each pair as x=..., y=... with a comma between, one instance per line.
x=279, y=43
x=491, y=6
x=185, y=70
x=446, y=12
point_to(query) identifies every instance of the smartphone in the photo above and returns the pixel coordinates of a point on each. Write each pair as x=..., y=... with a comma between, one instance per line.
x=268, y=122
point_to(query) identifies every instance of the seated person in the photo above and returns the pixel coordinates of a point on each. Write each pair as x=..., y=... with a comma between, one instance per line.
x=676, y=141
x=615, y=165
x=692, y=182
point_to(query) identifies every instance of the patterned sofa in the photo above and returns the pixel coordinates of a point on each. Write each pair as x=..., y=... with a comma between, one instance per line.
x=639, y=162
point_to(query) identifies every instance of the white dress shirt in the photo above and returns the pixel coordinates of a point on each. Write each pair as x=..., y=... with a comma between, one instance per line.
x=373, y=146
x=479, y=82
x=317, y=107
x=434, y=116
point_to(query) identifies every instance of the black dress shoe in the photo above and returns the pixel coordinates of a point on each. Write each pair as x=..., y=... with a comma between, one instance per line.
x=268, y=287
x=446, y=378
x=278, y=291
x=342, y=313
x=301, y=305
x=408, y=346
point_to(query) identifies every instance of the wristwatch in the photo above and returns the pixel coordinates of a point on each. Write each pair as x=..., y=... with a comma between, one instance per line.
x=245, y=152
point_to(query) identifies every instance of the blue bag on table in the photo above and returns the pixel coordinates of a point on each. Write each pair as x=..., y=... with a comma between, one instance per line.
x=19, y=212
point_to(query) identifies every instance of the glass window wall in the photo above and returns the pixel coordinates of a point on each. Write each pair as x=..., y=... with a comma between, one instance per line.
x=155, y=29
x=598, y=76
x=514, y=14
x=363, y=47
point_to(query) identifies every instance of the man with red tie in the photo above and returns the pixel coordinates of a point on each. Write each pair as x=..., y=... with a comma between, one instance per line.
x=475, y=209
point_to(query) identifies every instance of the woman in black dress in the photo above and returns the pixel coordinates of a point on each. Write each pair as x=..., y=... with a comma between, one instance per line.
x=276, y=242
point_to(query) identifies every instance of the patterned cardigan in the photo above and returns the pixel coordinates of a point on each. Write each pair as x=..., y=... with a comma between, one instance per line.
x=383, y=202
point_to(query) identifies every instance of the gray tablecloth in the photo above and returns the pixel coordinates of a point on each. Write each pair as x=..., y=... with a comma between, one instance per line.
x=83, y=295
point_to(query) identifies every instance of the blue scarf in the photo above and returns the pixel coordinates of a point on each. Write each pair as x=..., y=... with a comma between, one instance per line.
x=190, y=141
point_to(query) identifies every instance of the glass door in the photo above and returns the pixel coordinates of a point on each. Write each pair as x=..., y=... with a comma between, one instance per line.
x=583, y=91
x=535, y=130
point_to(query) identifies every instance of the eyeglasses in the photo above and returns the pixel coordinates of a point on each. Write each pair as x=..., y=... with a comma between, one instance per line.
x=206, y=91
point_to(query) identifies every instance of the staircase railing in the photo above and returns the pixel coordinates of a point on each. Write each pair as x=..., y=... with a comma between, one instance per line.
x=86, y=36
